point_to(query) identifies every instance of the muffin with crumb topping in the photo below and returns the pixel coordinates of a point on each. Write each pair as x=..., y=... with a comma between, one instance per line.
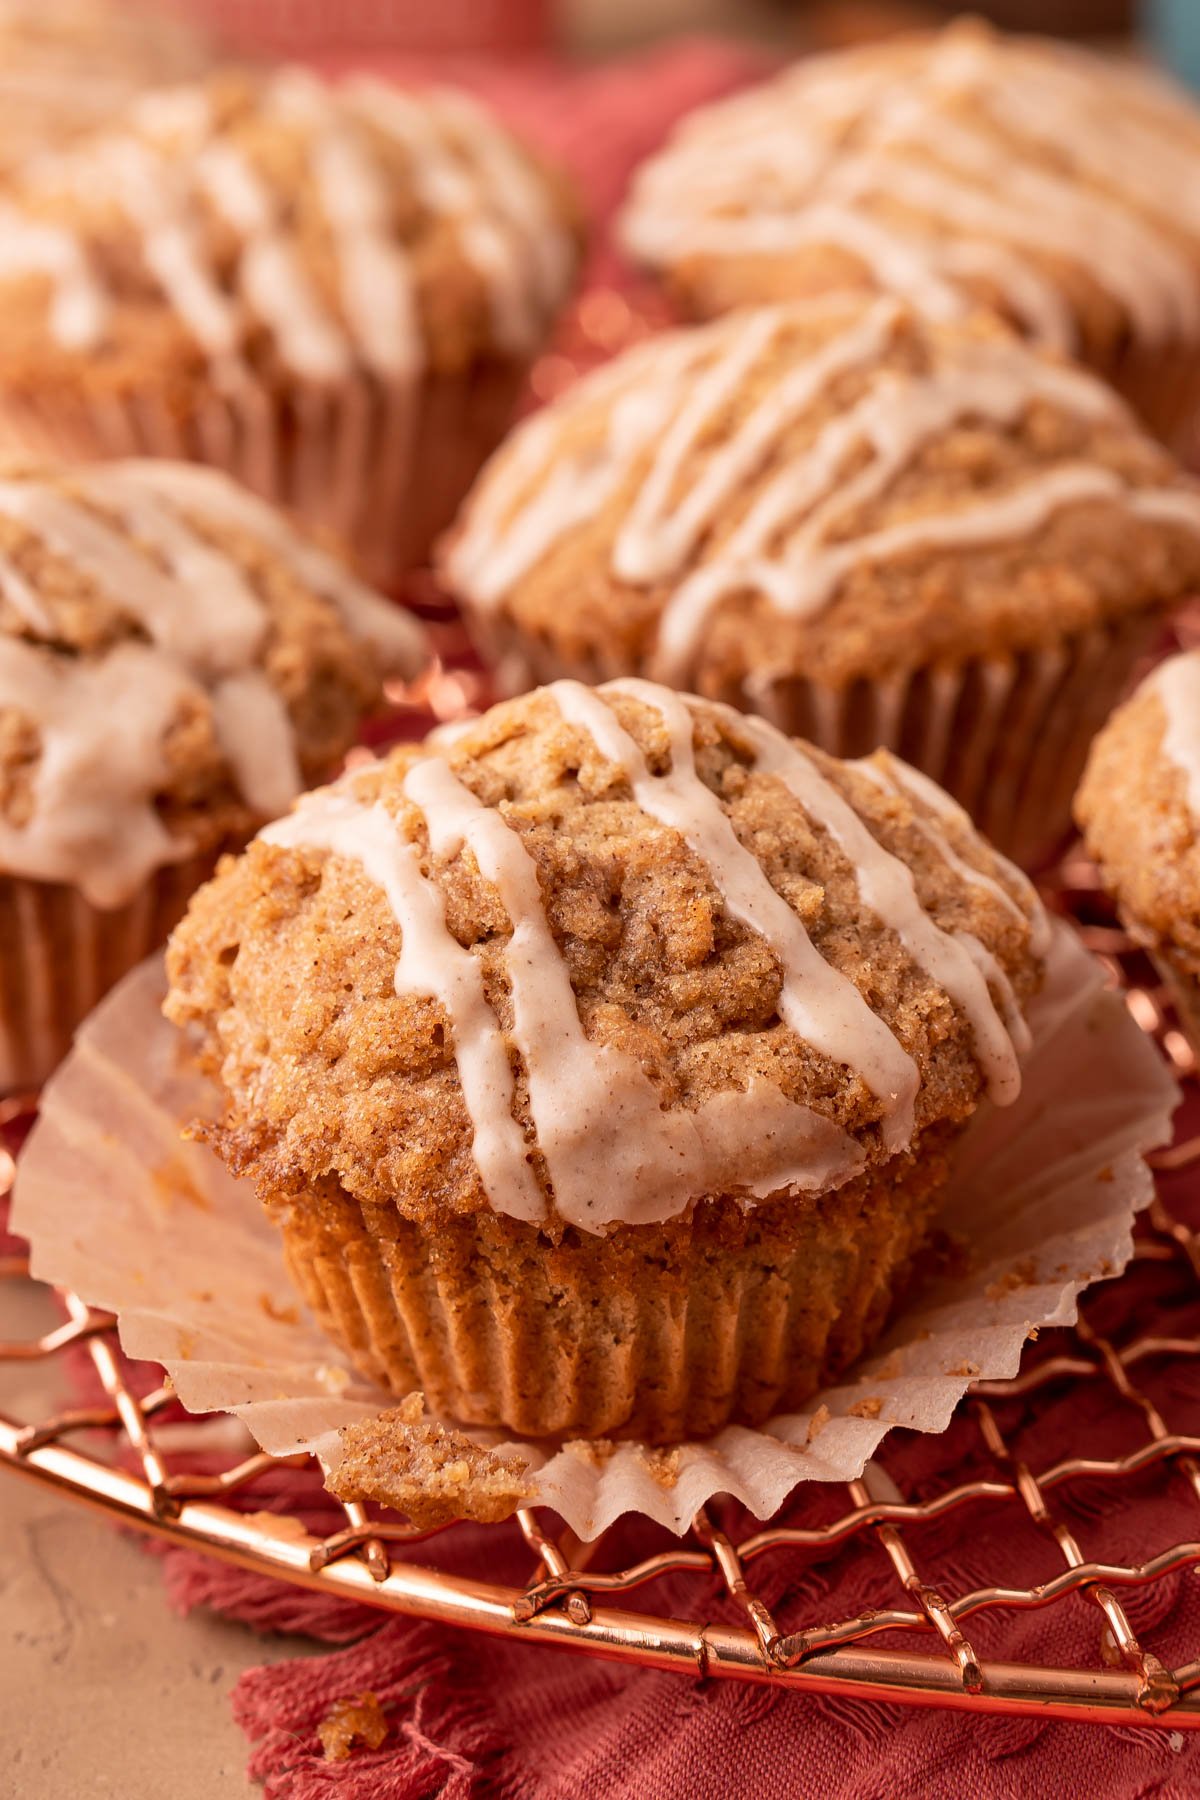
x=176, y=664
x=957, y=168
x=332, y=292
x=1138, y=807
x=600, y=1064
x=870, y=527
x=68, y=65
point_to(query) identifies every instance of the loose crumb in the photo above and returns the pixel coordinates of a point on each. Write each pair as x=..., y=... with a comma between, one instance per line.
x=661, y=1465
x=281, y=1314
x=817, y=1424
x=351, y=1722
x=172, y=1180
x=968, y=1370
x=870, y=1408
x=430, y=1474
x=598, y=1451
x=1021, y=1275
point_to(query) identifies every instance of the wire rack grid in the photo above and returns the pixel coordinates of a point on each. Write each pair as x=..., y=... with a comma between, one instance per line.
x=570, y=1599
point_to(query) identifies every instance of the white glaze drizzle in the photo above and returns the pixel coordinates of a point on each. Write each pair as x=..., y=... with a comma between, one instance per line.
x=662, y=417
x=888, y=773
x=174, y=164
x=433, y=963
x=820, y=1005
x=1177, y=685
x=611, y=1152
x=961, y=967
x=1086, y=170
x=135, y=532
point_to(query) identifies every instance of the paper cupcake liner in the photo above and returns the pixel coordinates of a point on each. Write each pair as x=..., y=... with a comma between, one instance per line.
x=1043, y=1194
x=1007, y=736
x=653, y=1332
x=381, y=469
x=59, y=956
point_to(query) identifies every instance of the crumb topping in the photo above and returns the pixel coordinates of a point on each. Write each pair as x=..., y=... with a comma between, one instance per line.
x=603, y=955
x=176, y=663
x=840, y=490
x=956, y=168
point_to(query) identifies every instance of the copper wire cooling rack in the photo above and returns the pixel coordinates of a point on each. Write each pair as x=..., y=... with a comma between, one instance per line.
x=929, y=1660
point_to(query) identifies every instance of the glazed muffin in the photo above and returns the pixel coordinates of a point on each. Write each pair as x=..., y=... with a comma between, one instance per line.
x=67, y=65
x=333, y=293
x=956, y=168
x=869, y=527
x=176, y=664
x=600, y=1064
x=1138, y=807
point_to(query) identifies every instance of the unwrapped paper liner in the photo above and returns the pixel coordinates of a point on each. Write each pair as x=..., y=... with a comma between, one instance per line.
x=119, y=1208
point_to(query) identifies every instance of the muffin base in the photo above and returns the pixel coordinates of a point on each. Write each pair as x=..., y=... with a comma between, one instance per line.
x=656, y=1332
x=59, y=956
x=1007, y=736
x=380, y=469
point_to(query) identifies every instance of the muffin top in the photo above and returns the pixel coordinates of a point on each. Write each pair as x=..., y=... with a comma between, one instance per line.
x=601, y=954
x=66, y=65
x=176, y=664
x=1050, y=183
x=275, y=223
x=1138, y=805
x=840, y=488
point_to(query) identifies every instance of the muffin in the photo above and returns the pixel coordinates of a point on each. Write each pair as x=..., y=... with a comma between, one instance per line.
x=176, y=664
x=954, y=168
x=872, y=528
x=333, y=293
x=1138, y=807
x=600, y=1064
x=67, y=65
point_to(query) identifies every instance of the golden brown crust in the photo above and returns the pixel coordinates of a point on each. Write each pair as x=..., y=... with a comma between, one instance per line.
x=335, y=1085
x=1132, y=807
x=1090, y=562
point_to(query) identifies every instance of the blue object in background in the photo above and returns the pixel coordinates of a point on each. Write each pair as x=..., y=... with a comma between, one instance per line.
x=1173, y=28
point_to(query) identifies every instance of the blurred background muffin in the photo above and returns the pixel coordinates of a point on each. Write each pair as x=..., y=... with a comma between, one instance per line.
x=869, y=527
x=68, y=65
x=599, y=1067
x=176, y=664
x=334, y=293
x=1139, y=810
x=956, y=169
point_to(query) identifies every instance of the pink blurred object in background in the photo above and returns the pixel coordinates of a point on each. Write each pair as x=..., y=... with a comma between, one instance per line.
x=307, y=27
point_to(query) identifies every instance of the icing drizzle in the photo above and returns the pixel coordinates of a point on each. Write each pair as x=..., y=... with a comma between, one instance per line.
x=1177, y=684
x=591, y=1105
x=933, y=165
x=176, y=168
x=134, y=531
x=662, y=417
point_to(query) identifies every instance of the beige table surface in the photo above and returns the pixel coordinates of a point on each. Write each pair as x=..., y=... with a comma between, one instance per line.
x=103, y=1689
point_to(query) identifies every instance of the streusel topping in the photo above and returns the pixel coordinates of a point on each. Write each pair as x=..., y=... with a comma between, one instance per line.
x=607, y=953
x=837, y=488
x=176, y=664
x=953, y=168
x=280, y=224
